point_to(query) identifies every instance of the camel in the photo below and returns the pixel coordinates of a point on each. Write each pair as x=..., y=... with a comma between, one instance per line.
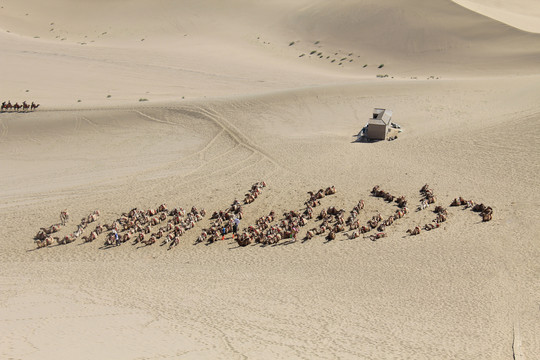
x=440, y=210
x=330, y=190
x=174, y=242
x=390, y=220
x=150, y=241
x=66, y=239
x=423, y=204
x=17, y=107
x=440, y=218
x=331, y=235
x=64, y=217
x=381, y=228
x=431, y=226
x=139, y=238
x=310, y=234
x=7, y=106
x=373, y=224
x=111, y=239
x=486, y=216
x=354, y=235
x=51, y=229
x=34, y=106
x=414, y=231
x=47, y=241
x=25, y=106
x=41, y=235
x=401, y=201
x=243, y=240
x=202, y=237
x=93, y=217
x=458, y=201
x=93, y=236
x=127, y=236
x=377, y=236
x=364, y=229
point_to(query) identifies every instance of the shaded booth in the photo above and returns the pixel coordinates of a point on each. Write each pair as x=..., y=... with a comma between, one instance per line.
x=379, y=125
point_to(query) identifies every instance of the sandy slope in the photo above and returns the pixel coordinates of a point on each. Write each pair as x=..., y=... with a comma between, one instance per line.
x=457, y=292
x=521, y=14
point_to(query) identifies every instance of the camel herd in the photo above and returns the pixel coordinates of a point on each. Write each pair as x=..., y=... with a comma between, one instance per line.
x=7, y=106
x=486, y=212
x=146, y=227
x=44, y=236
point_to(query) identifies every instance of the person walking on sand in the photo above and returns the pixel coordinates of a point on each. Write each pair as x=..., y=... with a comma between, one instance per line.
x=224, y=231
x=116, y=238
x=235, y=227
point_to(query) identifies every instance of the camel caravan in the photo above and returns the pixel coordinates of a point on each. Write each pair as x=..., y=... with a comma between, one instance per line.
x=167, y=226
x=24, y=107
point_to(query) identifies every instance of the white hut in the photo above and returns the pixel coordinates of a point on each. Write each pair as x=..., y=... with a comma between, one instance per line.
x=379, y=125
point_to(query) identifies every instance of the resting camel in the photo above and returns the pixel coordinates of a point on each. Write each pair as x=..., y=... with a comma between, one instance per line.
x=66, y=239
x=150, y=241
x=41, y=235
x=93, y=236
x=440, y=218
x=376, y=236
x=174, y=242
x=414, y=231
x=330, y=190
x=458, y=201
x=354, y=235
x=139, y=238
x=440, y=210
x=487, y=214
x=431, y=226
x=51, y=229
x=331, y=235
x=47, y=241
x=401, y=201
x=243, y=240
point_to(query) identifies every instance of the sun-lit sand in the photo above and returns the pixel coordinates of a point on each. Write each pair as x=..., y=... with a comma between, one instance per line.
x=190, y=103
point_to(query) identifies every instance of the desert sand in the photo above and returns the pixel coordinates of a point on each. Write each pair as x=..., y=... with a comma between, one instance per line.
x=189, y=103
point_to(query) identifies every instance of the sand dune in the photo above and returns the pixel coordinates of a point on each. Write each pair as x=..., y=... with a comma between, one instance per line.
x=522, y=14
x=230, y=101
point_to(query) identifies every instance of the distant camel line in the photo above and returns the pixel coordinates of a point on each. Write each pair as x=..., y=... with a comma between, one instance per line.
x=7, y=106
x=136, y=224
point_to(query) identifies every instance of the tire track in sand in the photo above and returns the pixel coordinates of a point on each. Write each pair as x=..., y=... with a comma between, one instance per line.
x=237, y=135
